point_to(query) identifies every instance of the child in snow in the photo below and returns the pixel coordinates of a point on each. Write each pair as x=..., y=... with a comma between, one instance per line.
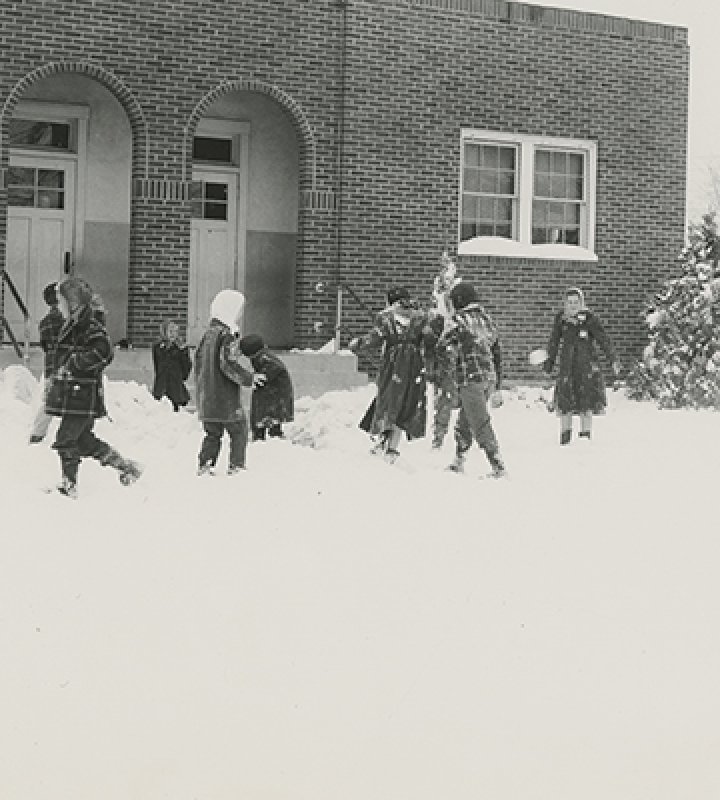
x=219, y=378
x=172, y=365
x=440, y=360
x=403, y=332
x=273, y=402
x=50, y=326
x=580, y=387
x=76, y=392
x=477, y=375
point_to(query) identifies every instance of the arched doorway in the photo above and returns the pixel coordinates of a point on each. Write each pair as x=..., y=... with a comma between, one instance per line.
x=244, y=199
x=69, y=183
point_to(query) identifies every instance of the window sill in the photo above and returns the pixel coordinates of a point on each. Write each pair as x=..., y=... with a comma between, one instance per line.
x=496, y=246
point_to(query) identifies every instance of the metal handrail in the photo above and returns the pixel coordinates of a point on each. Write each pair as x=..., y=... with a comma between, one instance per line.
x=6, y=280
x=322, y=286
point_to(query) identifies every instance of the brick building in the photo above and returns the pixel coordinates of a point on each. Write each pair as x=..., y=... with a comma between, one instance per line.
x=169, y=148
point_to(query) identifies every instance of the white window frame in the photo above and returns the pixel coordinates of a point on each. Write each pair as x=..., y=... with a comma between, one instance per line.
x=522, y=246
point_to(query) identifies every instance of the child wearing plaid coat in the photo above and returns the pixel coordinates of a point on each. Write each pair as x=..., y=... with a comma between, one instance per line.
x=477, y=376
x=75, y=393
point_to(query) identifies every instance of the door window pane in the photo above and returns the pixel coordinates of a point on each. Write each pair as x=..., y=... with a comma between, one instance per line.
x=36, y=188
x=209, y=200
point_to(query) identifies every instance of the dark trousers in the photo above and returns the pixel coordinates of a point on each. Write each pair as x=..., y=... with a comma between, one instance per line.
x=237, y=431
x=474, y=421
x=75, y=440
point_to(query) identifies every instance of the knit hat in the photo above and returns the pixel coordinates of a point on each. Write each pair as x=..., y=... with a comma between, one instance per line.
x=76, y=291
x=463, y=294
x=50, y=294
x=398, y=294
x=251, y=345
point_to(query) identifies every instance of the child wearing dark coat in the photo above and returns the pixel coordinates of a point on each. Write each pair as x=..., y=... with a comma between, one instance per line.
x=172, y=365
x=219, y=378
x=75, y=393
x=273, y=402
x=49, y=327
x=580, y=387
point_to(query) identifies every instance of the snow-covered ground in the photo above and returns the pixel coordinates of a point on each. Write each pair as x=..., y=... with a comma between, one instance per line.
x=328, y=627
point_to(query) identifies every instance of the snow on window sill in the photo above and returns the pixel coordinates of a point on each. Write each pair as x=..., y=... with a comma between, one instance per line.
x=497, y=246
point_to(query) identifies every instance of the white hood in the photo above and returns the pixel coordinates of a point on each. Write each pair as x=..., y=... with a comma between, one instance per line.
x=228, y=307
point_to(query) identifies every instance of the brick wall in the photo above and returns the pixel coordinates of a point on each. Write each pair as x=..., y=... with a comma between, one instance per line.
x=416, y=72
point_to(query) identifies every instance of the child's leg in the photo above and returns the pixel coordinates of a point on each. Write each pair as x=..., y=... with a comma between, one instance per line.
x=463, y=438
x=565, y=428
x=238, y=432
x=90, y=445
x=66, y=443
x=586, y=424
x=210, y=448
x=444, y=397
x=474, y=398
x=259, y=433
x=393, y=439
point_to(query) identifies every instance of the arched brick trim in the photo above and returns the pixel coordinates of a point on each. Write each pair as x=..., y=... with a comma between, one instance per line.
x=306, y=138
x=111, y=82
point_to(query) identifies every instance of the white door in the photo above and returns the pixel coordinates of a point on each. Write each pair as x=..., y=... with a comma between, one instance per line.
x=41, y=215
x=213, y=247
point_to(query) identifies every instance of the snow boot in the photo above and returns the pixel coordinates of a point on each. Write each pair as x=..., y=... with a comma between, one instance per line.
x=36, y=438
x=129, y=471
x=206, y=469
x=457, y=465
x=391, y=456
x=235, y=469
x=584, y=435
x=378, y=448
x=68, y=488
x=565, y=437
x=497, y=464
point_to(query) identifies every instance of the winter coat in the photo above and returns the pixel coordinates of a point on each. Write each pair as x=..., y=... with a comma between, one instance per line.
x=83, y=352
x=479, y=356
x=172, y=367
x=400, y=396
x=50, y=326
x=574, y=342
x=273, y=402
x=219, y=375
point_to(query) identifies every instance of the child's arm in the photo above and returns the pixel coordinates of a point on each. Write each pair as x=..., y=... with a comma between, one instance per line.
x=92, y=358
x=230, y=365
x=185, y=363
x=554, y=343
x=375, y=337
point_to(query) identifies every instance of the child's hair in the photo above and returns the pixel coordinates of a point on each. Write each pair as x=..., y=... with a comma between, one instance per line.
x=50, y=294
x=76, y=291
x=573, y=291
x=164, y=325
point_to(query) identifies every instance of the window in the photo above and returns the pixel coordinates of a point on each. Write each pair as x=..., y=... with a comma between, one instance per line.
x=213, y=150
x=36, y=188
x=527, y=196
x=39, y=134
x=209, y=200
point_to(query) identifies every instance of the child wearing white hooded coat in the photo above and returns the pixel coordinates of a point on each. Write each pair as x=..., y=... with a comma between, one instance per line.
x=219, y=378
